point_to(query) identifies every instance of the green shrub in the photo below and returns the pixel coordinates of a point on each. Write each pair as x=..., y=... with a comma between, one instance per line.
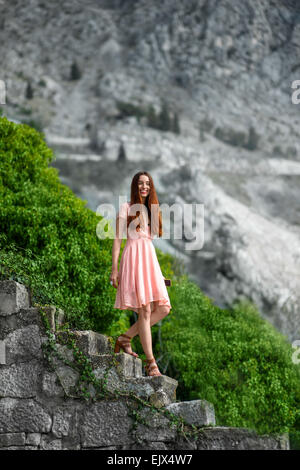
x=231, y=137
x=234, y=359
x=128, y=109
x=38, y=213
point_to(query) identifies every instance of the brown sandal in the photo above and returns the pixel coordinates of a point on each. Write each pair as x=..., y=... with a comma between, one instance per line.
x=150, y=367
x=124, y=344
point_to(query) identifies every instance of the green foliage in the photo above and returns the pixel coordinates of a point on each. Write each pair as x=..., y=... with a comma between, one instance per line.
x=161, y=121
x=232, y=137
x=128, y=109
x=238, y=138
x=234, y=359
x=42, y=216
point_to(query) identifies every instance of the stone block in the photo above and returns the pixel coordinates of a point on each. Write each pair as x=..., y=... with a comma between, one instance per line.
x=23, y=415
x=64, y=421
x=14, y=448
x=230, y=438
x=284, y=441
x=33, y=439
x=68, y=378
x=161, y=390
x=59, y=318
x=66, y=353
x=89, y=342
x=13, y=297
x=105, y=424
x=23, y=344
x=20, y=380
x=162, y=383
x=159, y=398
x=12, y=439
x=51, y=386
x=49, y=311
x=127, y=365
x=48, y=443
x=197, y=412
x=157, y=427
x=21, y=319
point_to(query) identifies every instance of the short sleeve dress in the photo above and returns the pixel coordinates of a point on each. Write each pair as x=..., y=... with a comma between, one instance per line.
x=140, y=278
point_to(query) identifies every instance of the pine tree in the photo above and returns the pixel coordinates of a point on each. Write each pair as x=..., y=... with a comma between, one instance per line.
x=122, y=154
x=253, y=139
x=164, y=118
x=75, y=72
x=175, y=126
x=29, y=91
x=152, y=117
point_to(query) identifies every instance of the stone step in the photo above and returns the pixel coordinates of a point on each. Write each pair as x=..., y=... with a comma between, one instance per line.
x=159, y=390
x=128, y=366
x=89, y=342
x=127, y=376
x=13, y=297
x=197, y=412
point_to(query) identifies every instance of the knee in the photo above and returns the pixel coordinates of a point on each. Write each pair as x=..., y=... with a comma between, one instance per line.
x=145, y=313
x=165, y=310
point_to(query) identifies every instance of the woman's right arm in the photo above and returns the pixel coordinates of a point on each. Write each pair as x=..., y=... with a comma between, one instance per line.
x=116, y=251
x=114, y=277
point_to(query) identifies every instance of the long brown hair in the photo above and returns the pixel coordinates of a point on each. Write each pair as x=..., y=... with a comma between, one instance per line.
x=135, y=198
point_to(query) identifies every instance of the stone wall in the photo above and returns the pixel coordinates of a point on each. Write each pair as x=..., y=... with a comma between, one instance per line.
x=42, y=402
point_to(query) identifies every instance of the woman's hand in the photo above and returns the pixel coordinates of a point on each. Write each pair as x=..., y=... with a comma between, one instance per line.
x=114, y=277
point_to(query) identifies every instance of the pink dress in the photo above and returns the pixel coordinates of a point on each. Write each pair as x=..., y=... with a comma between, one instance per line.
x=140, y=277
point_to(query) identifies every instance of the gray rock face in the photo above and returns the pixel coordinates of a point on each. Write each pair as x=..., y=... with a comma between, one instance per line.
x=40, y=409
x=244, y=255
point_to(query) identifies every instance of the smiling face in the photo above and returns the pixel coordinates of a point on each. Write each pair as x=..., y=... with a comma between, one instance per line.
x=144, y=186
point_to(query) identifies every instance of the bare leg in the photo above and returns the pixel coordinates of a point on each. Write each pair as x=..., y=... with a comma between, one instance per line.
x=144, y=330
x=158, y=313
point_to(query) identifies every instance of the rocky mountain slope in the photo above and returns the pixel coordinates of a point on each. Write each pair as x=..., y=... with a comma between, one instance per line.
x=226, y=68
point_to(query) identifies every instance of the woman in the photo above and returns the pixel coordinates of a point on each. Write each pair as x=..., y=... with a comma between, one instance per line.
x=141, y=285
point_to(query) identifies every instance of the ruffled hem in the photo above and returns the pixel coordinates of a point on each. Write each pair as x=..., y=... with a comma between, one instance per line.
x=161, y=301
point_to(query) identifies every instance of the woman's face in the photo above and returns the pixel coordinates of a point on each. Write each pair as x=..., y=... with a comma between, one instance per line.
x=144, y=186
